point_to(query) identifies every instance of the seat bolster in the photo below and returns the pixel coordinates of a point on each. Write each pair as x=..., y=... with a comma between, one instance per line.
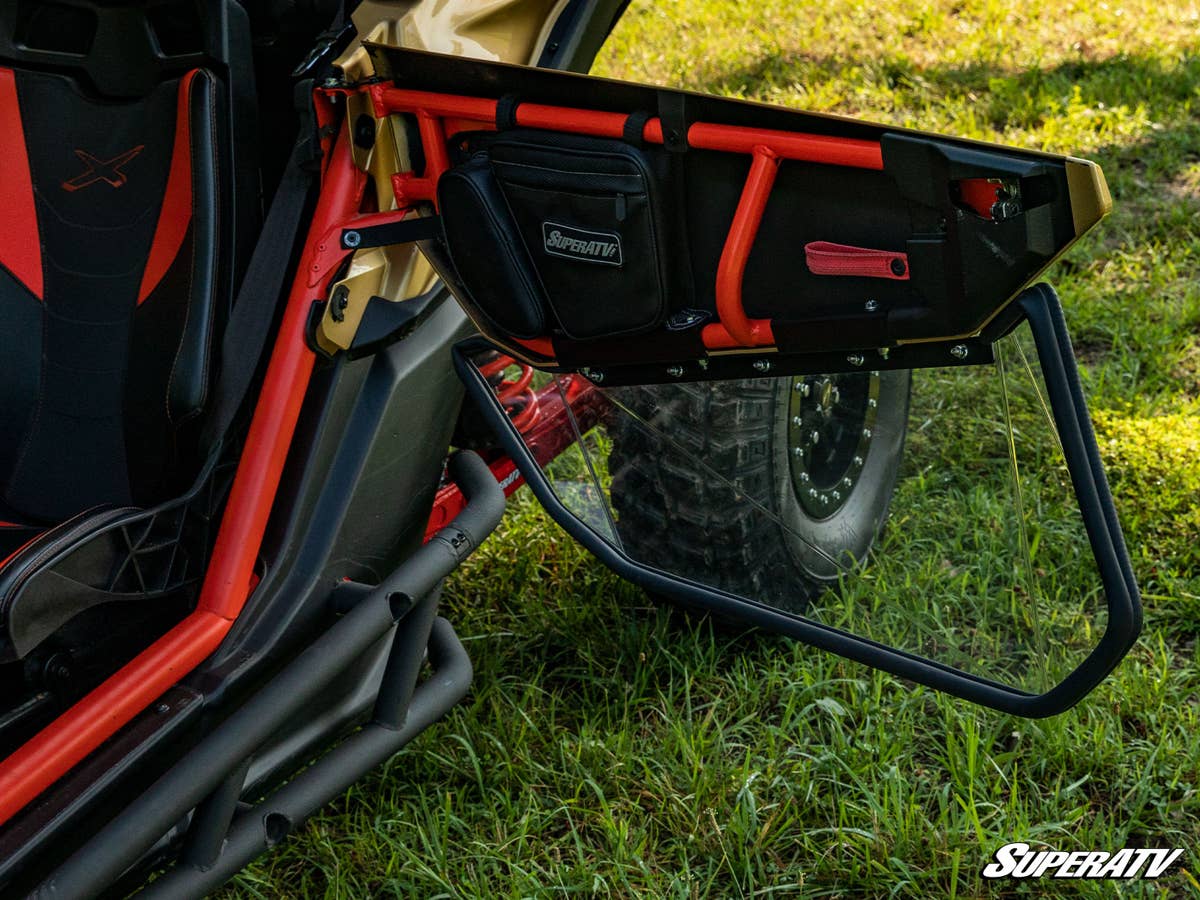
x=188, y=386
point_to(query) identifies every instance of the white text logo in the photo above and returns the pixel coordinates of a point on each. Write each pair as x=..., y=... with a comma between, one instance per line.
x=1021, y=861
x=586, y=246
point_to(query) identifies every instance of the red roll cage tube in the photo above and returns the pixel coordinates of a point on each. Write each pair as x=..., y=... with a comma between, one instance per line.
x=62, y=744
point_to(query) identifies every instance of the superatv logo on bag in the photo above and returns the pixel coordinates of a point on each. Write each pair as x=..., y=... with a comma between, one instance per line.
x=586, y=246
x=1021, y=861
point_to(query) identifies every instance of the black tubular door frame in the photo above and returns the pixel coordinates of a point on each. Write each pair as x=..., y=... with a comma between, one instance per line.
x=1041, y=308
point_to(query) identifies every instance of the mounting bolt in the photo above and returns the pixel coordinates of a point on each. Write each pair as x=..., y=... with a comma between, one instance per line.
x=959, y=351
x=762, y=365
x=799, y=451
x=858, y=461
x=351, y=239
x=884, y=352
x=804, y=478
x=871, y=305
x=866, y=433
x=675, y=371
x=796, y=420
x=812, y=492
x=702, y=363
x=846, y=482
x=592, y=375
x=163, y=708
x=872, y=402
x=814, y=437
x=803, y=387
x=855, y=359
x=837, y=495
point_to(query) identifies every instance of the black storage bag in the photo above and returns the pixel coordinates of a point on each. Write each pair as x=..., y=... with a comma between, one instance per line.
x=576, y=226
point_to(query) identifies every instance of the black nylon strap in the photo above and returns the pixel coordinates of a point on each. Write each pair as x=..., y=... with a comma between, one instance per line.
x=672, y=109
x=402, y=232
x=257, y=298
x=506, y=112
x=635, y=126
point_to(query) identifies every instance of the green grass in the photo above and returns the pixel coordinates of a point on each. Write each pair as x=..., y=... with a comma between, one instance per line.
x=613, y=747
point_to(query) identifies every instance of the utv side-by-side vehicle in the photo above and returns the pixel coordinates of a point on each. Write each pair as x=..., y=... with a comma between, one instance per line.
x=292, y=296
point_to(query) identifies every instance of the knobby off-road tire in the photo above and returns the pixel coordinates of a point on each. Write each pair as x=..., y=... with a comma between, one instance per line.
x=699, y=521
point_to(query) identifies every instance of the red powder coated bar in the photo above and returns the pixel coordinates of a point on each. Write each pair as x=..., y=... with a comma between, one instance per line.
x=735, y=329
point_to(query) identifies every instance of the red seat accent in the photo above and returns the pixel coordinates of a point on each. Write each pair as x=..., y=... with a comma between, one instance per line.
x=176, y=212
x=20, y=243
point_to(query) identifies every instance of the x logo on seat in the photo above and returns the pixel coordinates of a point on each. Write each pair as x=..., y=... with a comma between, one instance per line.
x=101, y=170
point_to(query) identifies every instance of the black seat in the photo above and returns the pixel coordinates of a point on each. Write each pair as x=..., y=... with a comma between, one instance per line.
x=108, y=294
x=128, y=193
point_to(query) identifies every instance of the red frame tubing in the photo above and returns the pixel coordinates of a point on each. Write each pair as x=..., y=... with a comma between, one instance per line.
x=734, y=328
x=766, y=146
x=227, y=584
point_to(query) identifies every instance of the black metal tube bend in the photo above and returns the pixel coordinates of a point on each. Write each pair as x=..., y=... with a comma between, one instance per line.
x=116, y=847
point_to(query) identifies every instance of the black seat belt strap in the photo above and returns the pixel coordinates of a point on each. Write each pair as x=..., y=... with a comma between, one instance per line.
x=258, y=298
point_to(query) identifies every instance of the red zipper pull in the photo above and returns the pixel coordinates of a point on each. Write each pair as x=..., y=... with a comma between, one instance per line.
x=824, y=258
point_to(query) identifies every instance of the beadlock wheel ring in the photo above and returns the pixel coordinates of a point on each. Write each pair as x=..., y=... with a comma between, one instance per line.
x=831, y=423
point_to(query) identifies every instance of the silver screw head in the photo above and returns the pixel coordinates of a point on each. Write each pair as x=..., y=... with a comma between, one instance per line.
x=595, y=376
x=799, y=451
x=866, y=432
x=959, y=351
x=812, y=492
x=855, y=359
x=872, y=402
x=675, y=371
x=858, y=461
x=846, y=482
x=837, y=495
x=804, y=477
x=797, y=421
x=814, y=437
x=762, y=365
x=351, y=238
x=871, y=305
x=884, y=352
